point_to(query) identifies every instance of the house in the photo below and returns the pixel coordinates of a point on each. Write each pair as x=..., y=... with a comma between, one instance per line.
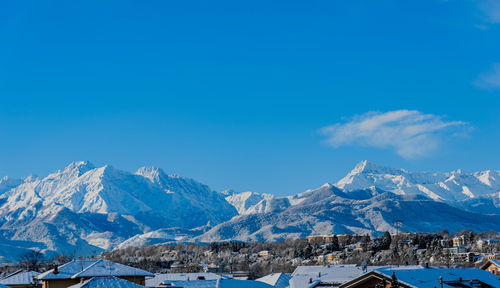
x=241, y=275
x=446, y=243
x=424, y=278
x=213, y=268
x=319, y=239
x=329, y=276
x=158, y=279
x=486, y=242
x=277, y=280
x=77, y=271
x=459, y=241
x=209, y=253
x=220, y=283
x=463, y=257
x=20, y=279
x=455, y=250
x=493, y=256
x=492, y=266
x=264, y=254
x=106, y=281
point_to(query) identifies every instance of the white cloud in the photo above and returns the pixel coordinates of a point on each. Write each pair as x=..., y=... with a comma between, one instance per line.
x=410, y=133
x=490, y=80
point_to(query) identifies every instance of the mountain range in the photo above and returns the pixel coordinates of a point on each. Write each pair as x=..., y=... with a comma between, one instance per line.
x=84, y=210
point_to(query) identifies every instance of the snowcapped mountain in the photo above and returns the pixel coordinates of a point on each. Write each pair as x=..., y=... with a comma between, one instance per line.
x=7, y=183
x=87, y=208
x=329, y=210
x=83, y=209
x=451, y=186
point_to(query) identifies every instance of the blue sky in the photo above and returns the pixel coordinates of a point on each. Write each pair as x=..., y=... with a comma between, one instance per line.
x=269, y=96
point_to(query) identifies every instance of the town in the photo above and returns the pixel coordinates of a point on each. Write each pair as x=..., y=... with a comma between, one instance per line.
x=464, y=259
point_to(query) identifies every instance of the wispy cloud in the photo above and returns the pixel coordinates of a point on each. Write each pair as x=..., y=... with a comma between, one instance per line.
x=491, y=9
x=410, y=133
x=491, y=79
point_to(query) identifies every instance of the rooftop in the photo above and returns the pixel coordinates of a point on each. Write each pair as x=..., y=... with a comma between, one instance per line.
x=19, y=278
x=277, y=280
x=429, y=278
x=92, y=268
x=219, y=283
x=108, y=282
x=162, y=278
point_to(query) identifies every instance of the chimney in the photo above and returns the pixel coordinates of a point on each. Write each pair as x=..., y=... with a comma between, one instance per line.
x=56, y=270
x=427, y=265
x=319, y=274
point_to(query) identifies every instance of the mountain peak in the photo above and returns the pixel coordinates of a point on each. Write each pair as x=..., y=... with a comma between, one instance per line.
x=7, y=183
x=151, y=172
x=366, y=166
x=80, y=166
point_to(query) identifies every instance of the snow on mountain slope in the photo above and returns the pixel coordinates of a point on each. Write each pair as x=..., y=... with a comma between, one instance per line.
x=7, y=183
x=194, y=199
x=90, y=208
x=85, y=209
x=248, y=202
x=450, y=187
x=328, y=210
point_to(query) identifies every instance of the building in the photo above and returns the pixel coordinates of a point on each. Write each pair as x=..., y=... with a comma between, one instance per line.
x=241, y=275
x=459, y=241
x=21, y=279
x=213, y=268
x=493, y=256
x=446, y=243
x=158, y=279
x=326, y=276
x=492, y=266
x=264, y=254
x=78, y=271
x=106, y=281
x=455, y=250
x=319, y=239
x=221, y=283
x=487, y=242
x=424, y=278
x=463, y=257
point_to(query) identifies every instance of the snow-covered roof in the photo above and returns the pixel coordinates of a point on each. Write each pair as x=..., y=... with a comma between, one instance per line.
x=233, y=283
x=161, y=278
x=219, y=283
x=332, y=274
x=278, y=280
x=92, y=268
x=495, y=261
x=19, y=278
x=192, y=284
x=67, y=270
x=429, y=278
x=108, y=282
x=107, y=268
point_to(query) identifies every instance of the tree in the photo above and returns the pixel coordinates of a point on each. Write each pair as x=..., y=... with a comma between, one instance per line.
x=334, y=246
x=31, y=259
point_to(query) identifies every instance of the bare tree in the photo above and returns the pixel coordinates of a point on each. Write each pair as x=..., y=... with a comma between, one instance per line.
x=31, y=259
